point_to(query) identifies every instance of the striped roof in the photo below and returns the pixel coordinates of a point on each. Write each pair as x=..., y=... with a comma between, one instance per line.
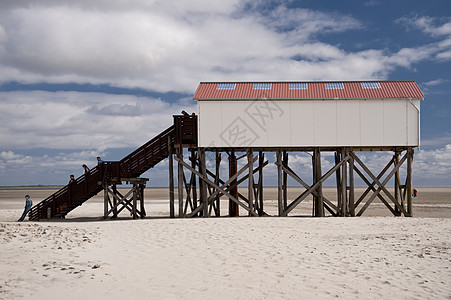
x=308, y=90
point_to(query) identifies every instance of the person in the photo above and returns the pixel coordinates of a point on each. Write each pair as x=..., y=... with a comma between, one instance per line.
x=415, y=193
x=72, y=179
x=28, y=205
x=99, y=160
x=86, y=168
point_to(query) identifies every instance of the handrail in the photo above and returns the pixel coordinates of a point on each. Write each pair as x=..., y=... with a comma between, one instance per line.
x=140, y=160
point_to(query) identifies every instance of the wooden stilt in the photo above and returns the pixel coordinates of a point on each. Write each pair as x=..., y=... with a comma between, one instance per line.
x=193, y=179
x=351, y=188
x=114, y=201
x=233, y=207
x=398, y=195
x=409, y=182
x=318, y=196
x=141, y=200
x=344, y=183
x=285, y=180
x=279, y=182
x=338, y=179
x=261, y=159
x=135, y=200
x=312, y=188
x=218, y=198
x=179, y=152
x=202, y=184
x=171, y=180
x=105, y=200
x=250, y=187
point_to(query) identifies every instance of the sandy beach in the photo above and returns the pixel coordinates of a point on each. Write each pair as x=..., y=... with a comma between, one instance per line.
x=376, y=256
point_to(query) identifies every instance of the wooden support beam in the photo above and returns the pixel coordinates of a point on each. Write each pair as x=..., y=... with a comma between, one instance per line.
x=380, y=184
x=351, y=188
x=371, y=185
x=193, y=178
x=217, y=198
x=188, y=187
x=141, y=199
x=293, y=175
x=209, y=182
x=298, y=200
x=203, y=186
x=171, y=179
x=105, y=201
x=338, y=179
x=233, y=207
x=232, y=182
x=373, y=189
x=261, y=160
x=398, y=194
x=120, y=201
x=114, y=201
x=179, y=158
x=284, y=180
x=409, y=154
x=318, y=208
x=135, y=201
x=279, y=182
x=344, y=189
x=250, y=186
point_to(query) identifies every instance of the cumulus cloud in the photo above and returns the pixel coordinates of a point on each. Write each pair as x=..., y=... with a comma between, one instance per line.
x=72, y=120
x=434, y=165
x=161, y=46
x=439, y=28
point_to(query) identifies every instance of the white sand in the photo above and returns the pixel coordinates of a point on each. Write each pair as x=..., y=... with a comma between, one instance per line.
x=224, y=258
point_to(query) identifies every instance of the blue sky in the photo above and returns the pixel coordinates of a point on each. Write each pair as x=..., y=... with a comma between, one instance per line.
x=80, y=79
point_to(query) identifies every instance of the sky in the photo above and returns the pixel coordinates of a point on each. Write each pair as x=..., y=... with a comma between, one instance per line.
x=80, y=79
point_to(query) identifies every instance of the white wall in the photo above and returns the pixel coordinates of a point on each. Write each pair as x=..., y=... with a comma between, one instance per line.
x=299, y=123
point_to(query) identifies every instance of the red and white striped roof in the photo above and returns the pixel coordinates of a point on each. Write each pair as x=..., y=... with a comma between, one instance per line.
x=308, y=90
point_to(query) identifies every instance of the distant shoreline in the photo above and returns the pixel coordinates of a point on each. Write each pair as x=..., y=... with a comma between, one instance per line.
x=55, y=187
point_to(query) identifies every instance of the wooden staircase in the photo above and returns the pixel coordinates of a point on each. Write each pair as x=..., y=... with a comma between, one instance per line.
x=58, y=205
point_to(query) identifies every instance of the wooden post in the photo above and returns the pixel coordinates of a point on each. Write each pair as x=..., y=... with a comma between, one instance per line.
x=193, y=183
x=114, y=201
x=179, y=151
x=285, y=180
x=318, y=198
x=409, y=182
x=351, y=188
x=338, y=179
x=398, y=196
x=202, y=184
x=218, y=167
x=233, y=207
x=261, y=159
x=171, y=180
x=279, y=182
x=250, y=187
x=105, y=200
x=141, y=199
x=135, y=200
x=344, y=184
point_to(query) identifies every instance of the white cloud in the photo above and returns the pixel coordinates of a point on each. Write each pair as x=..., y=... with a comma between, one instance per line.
x=439, y=81
x=161, y=46
x=435, y=27
x=71, y=120
x=434, y=164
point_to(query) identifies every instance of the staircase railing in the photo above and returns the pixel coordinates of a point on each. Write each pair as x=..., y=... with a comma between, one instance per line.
x=184, y=131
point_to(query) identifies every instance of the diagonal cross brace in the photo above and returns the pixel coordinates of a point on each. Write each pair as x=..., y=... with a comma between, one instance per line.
x=381, y=185
x=372, y=188
x=293, y=175
x=211, y=183
x=313, y=187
